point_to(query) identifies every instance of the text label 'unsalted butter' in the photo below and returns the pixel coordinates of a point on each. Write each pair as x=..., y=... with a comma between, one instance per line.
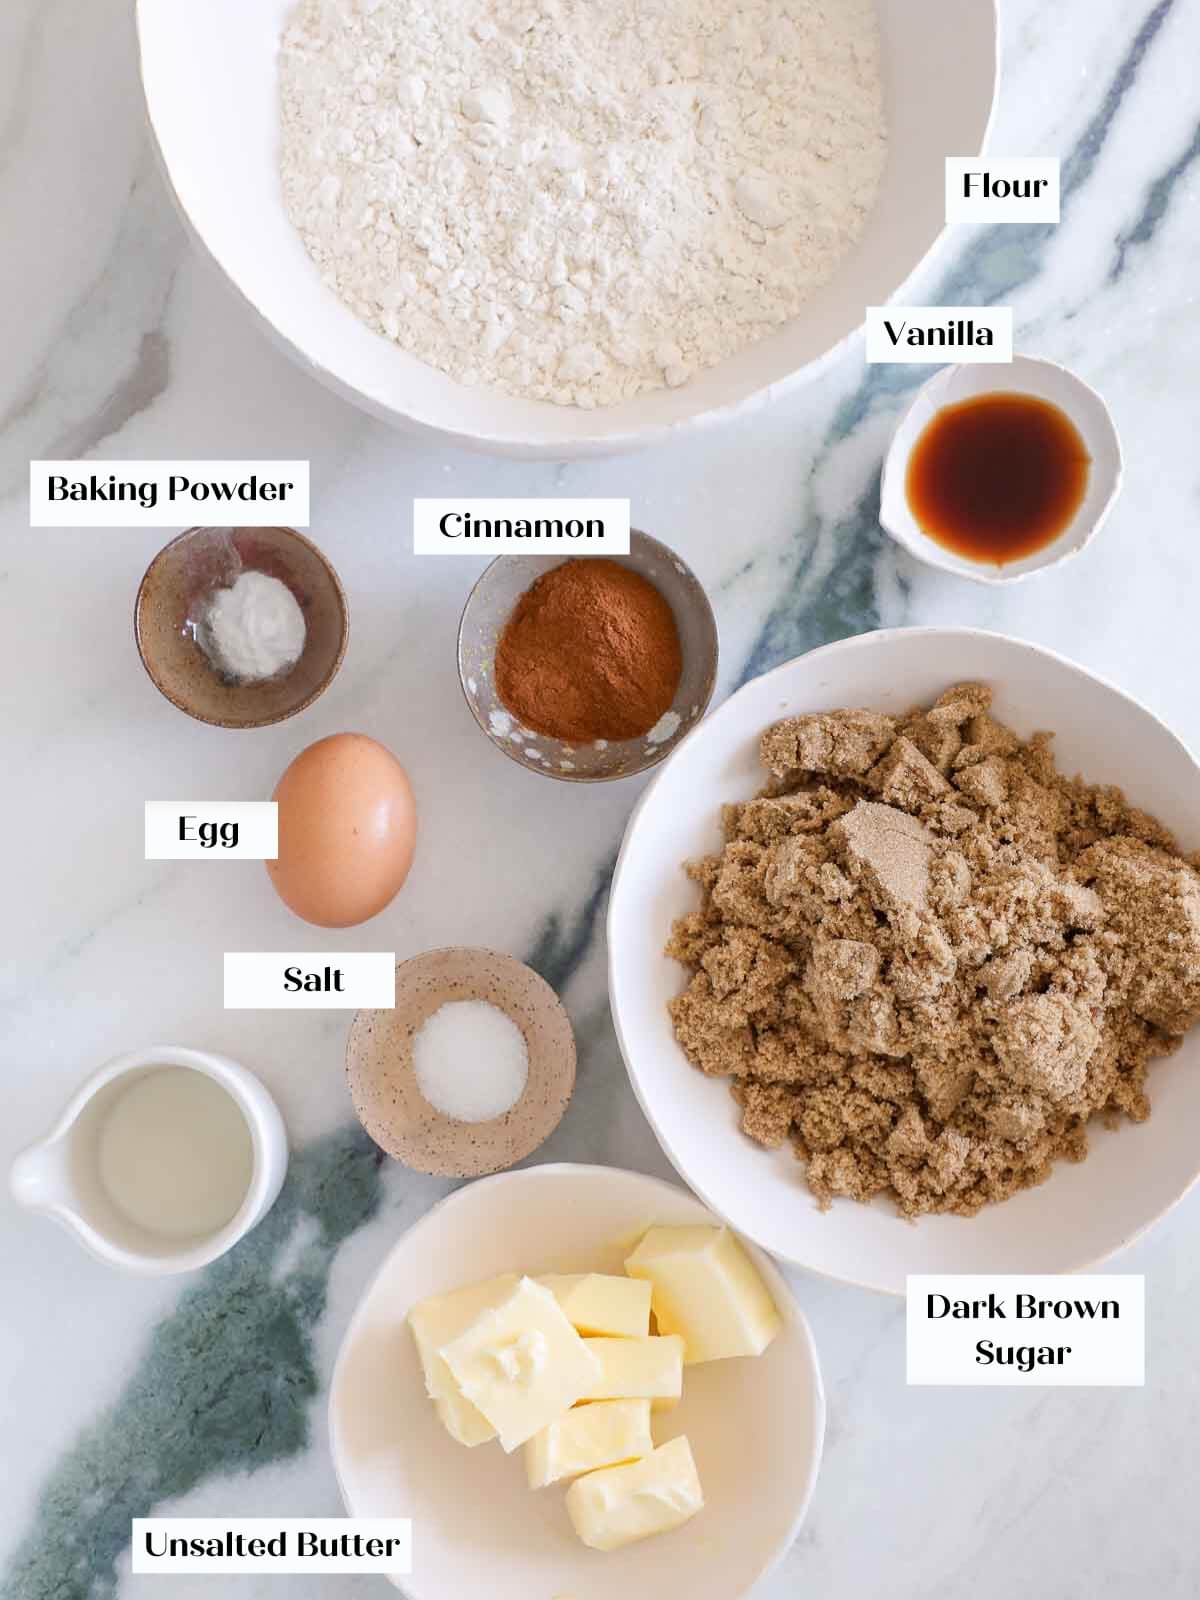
x=998, y=1330
x=309, y=980
x=270, y=1546
x=533, y=527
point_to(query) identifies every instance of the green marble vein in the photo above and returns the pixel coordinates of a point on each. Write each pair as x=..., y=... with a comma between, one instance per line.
x=225, y=1384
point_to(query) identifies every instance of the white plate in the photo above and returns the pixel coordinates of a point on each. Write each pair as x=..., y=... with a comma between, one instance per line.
x=755, y=1426
x=1082, y=1213
x=1030, y=375
x=210, y=77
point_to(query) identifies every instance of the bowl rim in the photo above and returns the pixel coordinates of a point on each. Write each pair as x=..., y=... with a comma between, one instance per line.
x=513, y=965
x=655, y=754
x=856, y=642
x=510, y=442
x=922, y=547
x=146, y=657
x=762, y=1259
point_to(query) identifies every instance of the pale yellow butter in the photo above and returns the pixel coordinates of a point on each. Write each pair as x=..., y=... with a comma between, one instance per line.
x=636, y=1369
x=600, y=1303
x=434, y=1323
x=706, y=1288
x=588, y=1437
x=521, y=1363
x=617, y=1505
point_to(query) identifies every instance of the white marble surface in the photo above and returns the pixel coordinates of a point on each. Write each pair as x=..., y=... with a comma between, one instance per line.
x=118, y=342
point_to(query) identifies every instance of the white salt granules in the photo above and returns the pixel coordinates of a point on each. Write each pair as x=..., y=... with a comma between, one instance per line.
x=254, y=629
x=470, y=1061
x=573, y=201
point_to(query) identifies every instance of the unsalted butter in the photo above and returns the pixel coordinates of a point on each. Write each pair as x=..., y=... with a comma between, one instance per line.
x=706, y=1288
x=587, y=1437
x=635, y=1369
x=434, y=1323
x=600, y=1303
x=521, y=1363
x=617, y=1505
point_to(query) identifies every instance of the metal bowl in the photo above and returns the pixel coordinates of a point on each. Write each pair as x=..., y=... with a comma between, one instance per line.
x=488, y=608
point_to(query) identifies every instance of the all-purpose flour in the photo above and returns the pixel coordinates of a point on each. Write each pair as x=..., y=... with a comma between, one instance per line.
x=578, y=200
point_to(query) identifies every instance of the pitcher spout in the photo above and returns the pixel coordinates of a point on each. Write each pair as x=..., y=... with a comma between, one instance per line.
x=38, y=1178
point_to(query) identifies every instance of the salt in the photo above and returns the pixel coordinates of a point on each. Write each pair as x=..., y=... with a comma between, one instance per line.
x=471, y=1061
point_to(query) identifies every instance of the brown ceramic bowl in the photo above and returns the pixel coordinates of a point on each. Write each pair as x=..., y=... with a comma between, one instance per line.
x=383, y=1084
x=171, y=601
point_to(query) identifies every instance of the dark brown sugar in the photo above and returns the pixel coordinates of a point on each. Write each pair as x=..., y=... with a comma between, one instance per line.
x=925, y=959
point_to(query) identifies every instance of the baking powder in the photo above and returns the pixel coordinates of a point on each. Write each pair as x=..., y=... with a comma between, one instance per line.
x=254, y=629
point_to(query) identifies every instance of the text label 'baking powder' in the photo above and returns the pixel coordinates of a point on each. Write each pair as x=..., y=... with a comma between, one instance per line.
x=168, y=494
x=1058, y=1330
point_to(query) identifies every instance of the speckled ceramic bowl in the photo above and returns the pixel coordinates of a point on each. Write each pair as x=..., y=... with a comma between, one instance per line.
x=488, y=608
x=170, y=607
x=383, y=1084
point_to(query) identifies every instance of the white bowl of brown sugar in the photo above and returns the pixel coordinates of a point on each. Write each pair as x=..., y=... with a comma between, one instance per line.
x=930, y=1000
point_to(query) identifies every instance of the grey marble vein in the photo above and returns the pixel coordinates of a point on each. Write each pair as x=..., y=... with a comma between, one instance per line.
x=995, y=265
x=73, y=404
x=1145, y=226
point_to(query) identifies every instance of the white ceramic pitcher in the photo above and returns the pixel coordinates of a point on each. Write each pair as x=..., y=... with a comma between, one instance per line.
x=59, y=1175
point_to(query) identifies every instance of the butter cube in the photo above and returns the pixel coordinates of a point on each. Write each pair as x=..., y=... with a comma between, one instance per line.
x=598, y=1303
x=521, y=1363
x=434, y=1323
x=706, y=1288
x=588, y=1437
x=617, y=1505
x=638, y=1369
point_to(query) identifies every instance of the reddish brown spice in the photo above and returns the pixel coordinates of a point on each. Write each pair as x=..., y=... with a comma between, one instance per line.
x=591, y=651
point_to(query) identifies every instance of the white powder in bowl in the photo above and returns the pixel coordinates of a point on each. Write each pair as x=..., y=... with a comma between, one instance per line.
x=577, y=201
x=255, y=629
x=470, y=1060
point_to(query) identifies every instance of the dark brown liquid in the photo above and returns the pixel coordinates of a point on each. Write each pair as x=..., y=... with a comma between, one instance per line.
x=997, y=477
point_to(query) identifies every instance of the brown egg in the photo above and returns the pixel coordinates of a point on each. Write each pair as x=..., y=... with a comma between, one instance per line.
x=347, y=831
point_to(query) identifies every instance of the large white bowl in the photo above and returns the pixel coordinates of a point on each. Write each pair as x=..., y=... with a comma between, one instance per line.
x=210, y=76
x=755, y=1426
x=1083, y=1213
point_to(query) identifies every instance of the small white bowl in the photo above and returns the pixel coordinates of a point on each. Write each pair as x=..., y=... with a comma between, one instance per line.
x=1029, y=375
x=1082, y=1213
x=59, y=1177
x=211, y=82
x=755, y=1426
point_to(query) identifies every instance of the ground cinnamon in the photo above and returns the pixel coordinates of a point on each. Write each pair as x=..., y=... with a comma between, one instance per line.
x=591, y=651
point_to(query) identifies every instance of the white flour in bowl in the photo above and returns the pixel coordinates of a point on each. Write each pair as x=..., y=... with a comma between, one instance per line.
x=572, y=200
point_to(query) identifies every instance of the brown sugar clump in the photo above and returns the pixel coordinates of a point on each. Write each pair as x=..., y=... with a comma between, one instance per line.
x=924, y=958
x=591, y=651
